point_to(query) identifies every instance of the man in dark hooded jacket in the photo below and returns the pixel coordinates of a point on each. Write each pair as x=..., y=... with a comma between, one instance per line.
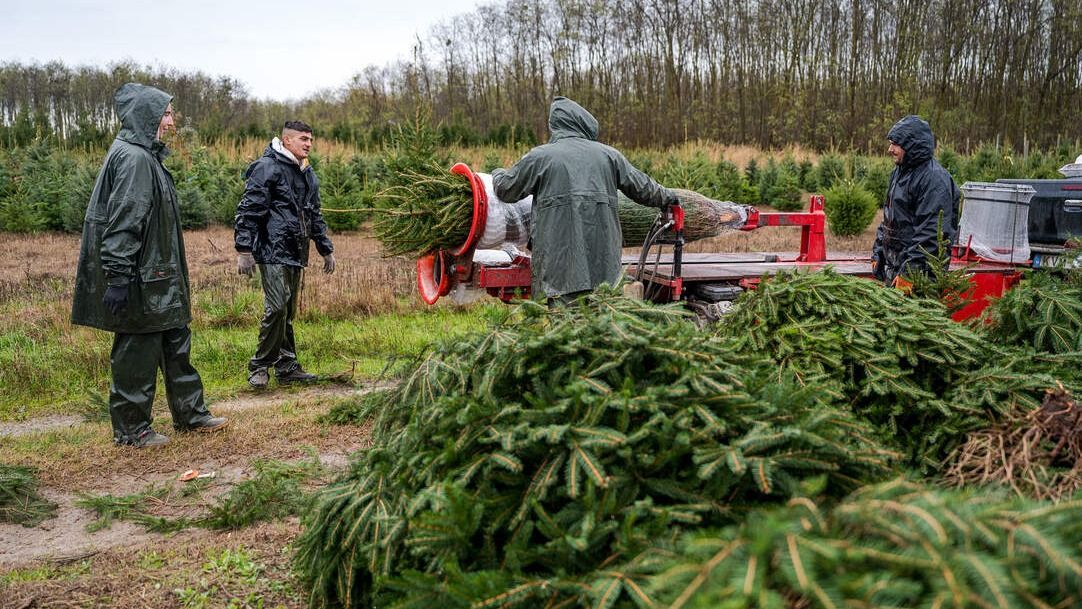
x=276, y=218
x=922, y=199
x=132, y=277
x=575, y=235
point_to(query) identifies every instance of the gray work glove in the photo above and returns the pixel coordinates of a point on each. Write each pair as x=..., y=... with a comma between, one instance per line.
x=245, y=263
x=116, y=298
x=328, y=264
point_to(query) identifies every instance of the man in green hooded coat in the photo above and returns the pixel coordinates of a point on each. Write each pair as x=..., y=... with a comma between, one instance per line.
x=575, y=236
x=132, y=277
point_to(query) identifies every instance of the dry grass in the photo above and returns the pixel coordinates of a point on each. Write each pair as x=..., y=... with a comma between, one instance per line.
x=737, y=154
x=40, y=270
x=164, y=575
x=364, y=283
x=84, y=458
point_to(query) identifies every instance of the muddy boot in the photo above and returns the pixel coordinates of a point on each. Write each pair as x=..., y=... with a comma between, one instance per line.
x=147, y=439
x=259, y=378
x=296, y=375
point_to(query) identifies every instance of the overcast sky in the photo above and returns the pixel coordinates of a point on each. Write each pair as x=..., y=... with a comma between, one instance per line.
x=280, y=49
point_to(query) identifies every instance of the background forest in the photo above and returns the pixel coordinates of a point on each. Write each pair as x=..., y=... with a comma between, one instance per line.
x=766, y=73
x=810, y=87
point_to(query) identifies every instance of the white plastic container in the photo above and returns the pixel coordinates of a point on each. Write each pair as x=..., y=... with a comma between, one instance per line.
x=995, y=220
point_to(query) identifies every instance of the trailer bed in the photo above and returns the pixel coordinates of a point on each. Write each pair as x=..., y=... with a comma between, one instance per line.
x=732, y=267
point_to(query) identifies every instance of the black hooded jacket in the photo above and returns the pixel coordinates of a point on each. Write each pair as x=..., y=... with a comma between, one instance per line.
x=280, y=212
x=920, y=192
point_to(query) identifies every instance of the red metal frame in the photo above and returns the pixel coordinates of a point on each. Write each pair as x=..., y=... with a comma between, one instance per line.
x=988, y=284
x=813, y=243
x=989, y=280
x=438, y=272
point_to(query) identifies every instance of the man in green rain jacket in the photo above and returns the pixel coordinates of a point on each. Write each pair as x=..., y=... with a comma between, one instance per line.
x=575, y=236
x=132, y=277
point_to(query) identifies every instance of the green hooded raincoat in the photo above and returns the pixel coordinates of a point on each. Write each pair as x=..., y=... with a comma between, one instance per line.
x=575, y=236
x=132, y=233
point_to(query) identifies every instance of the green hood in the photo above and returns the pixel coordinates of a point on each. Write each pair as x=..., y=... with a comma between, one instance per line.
x=568, y=119
x=140, y=109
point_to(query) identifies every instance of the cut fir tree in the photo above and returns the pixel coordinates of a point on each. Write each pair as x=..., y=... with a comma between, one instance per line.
x=430, y=208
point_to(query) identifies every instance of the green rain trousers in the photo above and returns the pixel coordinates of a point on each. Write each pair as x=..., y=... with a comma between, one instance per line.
x=135, y=360
x=281, y=287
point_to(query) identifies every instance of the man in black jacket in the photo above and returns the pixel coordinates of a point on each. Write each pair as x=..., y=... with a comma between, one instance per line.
x=277, y=216
x=922, y=200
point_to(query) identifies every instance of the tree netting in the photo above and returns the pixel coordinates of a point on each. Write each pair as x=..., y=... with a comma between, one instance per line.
x=431, y=208
x=703, y=217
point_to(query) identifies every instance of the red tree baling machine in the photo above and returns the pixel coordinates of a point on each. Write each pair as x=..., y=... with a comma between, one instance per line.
x=709, y=282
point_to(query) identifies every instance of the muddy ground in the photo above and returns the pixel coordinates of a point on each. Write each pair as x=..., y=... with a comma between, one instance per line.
x=60, y=563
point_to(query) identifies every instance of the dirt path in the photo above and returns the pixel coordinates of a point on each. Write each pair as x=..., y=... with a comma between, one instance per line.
x=281, y=425
x=242, y=402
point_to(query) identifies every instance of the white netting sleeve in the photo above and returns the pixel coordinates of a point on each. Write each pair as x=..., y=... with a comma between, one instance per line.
x=507, y=223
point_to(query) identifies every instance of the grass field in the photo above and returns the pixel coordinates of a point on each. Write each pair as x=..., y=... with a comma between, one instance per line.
x=353, y=323
x=356, y=325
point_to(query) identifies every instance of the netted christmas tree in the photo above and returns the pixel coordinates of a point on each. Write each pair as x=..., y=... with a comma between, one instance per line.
x=703, y=217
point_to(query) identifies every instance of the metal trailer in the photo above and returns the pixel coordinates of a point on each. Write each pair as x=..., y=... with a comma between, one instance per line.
x=706, y=282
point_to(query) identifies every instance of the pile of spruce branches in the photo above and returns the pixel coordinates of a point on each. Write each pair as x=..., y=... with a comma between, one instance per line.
x=610, y=454
x=899, y=363
x=20, y=500
x=1034, y=452
x=513, y=468
x=897, y=544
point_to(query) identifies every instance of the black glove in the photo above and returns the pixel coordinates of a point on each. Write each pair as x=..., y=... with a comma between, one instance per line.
x=116, y=298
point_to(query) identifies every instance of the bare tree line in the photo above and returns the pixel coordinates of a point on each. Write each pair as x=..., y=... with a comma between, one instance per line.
x=656, y=72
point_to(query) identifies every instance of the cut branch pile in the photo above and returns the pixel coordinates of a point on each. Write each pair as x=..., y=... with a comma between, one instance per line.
x=512, y=468
x=1038, y=453
x=897, y=544
x=611, y=455
x=898, y=362
x=20, y=501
